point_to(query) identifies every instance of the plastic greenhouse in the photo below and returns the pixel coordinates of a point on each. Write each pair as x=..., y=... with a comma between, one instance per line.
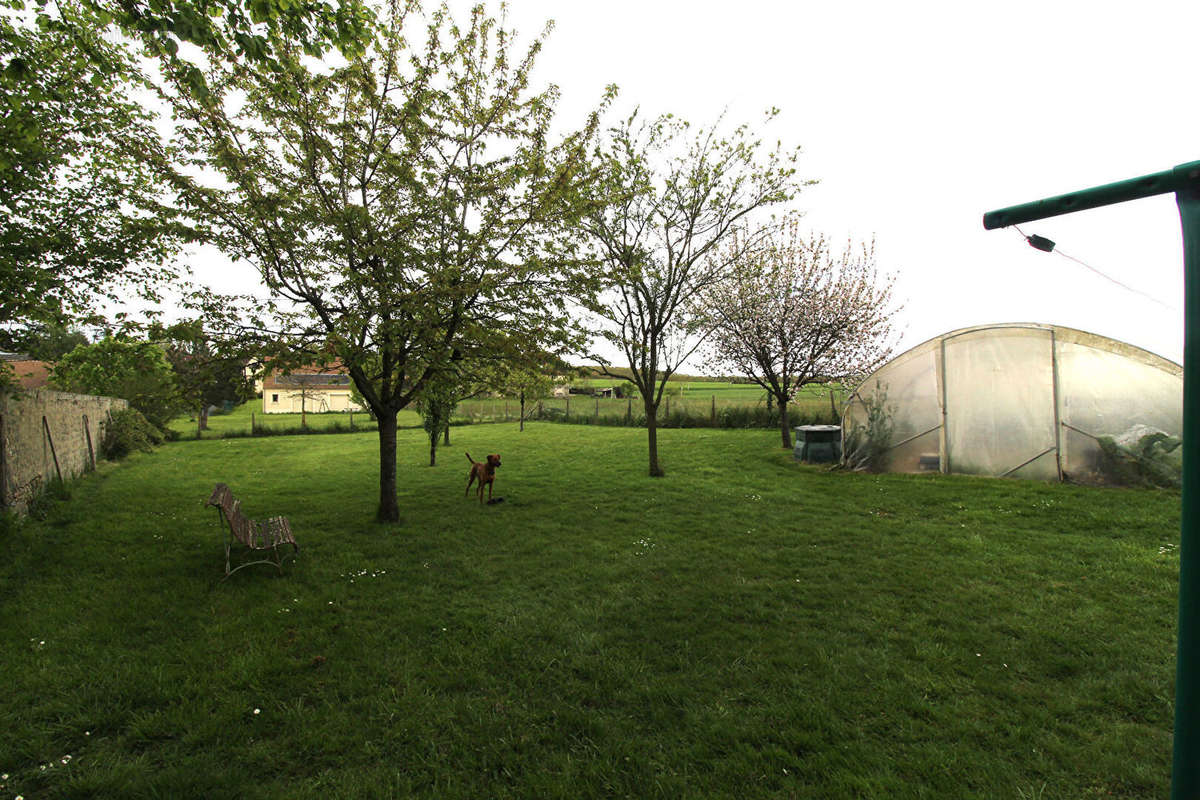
x=1023, y=400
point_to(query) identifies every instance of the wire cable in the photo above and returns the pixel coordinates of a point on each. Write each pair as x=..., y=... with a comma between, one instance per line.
x=1042, y=245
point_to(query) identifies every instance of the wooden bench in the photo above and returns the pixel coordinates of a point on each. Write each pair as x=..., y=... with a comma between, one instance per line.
x=259, y=537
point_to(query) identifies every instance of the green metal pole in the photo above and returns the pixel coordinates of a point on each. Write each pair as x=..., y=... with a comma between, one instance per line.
x=1107, y=195
x=1185, y=770
x=1184, y=180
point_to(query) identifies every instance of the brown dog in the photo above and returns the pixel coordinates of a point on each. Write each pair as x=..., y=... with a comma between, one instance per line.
x=485, y=472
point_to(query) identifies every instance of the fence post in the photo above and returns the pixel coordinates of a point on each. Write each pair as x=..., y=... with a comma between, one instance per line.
x=352, y=422
x=597, y=414
x=49, y=438
x=506, y=409
x=3, y=466
x=629, y=411
x=87, y=432
x=253, y=432
x=714, y=411
x=567, y=413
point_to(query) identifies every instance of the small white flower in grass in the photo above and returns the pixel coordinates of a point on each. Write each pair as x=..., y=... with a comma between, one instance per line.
x=257, y=711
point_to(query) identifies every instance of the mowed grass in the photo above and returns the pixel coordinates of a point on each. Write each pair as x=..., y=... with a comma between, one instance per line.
x=744, y=627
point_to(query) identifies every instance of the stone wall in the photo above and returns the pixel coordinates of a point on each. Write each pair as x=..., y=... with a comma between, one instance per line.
x=40, y=427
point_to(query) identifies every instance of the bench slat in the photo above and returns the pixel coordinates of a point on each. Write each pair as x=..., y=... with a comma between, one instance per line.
x=266, y=535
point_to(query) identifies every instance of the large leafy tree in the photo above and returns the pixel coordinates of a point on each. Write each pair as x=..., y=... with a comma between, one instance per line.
x=406, y=210
x=794, y=312
x=81, y=220
x=42, y=341
x=81, y=217
x=237, y=30
x=675, y=194
x=207, y=372
x=137, y=371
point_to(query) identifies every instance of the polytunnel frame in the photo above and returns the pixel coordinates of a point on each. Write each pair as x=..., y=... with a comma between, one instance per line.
x=1057, y=335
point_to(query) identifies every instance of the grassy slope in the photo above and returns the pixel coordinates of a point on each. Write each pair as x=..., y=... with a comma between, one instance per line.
x=744, y=627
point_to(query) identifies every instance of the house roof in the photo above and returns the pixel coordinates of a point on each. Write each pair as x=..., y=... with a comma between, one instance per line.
x=30, y=374
x=308, y=378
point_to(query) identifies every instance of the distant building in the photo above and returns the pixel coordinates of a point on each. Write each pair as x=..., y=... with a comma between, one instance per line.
x=308, y=389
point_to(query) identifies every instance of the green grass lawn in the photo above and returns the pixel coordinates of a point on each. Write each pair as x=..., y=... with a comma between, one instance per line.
x=744, y=627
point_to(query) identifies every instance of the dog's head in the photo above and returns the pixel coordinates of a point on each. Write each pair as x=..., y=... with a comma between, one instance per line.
x=493, y=460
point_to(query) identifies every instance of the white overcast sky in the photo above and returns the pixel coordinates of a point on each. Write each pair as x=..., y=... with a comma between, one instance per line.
x=917, y=118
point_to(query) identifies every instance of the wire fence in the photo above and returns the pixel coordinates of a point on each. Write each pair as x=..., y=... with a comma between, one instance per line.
x=691, y=411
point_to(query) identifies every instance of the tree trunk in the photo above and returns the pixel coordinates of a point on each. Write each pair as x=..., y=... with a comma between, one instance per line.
x=446, y=434
x=389, y=508
x=522, y=411
x=433, y=450
x=652, y=438
x=304, y=417
x=203, y=417
x=784, y=430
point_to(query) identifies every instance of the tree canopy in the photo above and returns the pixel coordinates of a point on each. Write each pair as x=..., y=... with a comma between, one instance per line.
x=137, y=371
x=674, y=194
x=406, y=210
x=83, y=216
x=793, y=312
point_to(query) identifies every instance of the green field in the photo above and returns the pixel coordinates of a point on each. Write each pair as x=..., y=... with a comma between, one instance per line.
x=701, y=399
x=744, y=627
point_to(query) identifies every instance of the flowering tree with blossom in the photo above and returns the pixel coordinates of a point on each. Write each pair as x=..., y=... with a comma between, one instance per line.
x=794, y=312
x=674, y=194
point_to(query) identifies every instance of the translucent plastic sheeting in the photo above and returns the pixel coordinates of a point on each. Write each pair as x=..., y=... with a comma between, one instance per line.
x=919, y=454
x=999, y=400
x=1081, y=457
x=1106, y=394
x=912, y=395
x=1019, y=399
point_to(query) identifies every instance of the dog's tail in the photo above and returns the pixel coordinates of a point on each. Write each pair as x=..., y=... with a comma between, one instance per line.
x=470, y=459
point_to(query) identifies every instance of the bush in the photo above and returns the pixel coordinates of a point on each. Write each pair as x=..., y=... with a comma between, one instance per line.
x=730, y=417
x=127, y=431
x=867, y=445
x=136, y=371
x=1151, y=459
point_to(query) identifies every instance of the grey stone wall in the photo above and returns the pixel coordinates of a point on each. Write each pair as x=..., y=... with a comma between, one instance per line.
x=40, y=427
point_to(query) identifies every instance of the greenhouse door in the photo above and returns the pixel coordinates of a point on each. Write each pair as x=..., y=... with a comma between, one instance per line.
x=999, y=402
